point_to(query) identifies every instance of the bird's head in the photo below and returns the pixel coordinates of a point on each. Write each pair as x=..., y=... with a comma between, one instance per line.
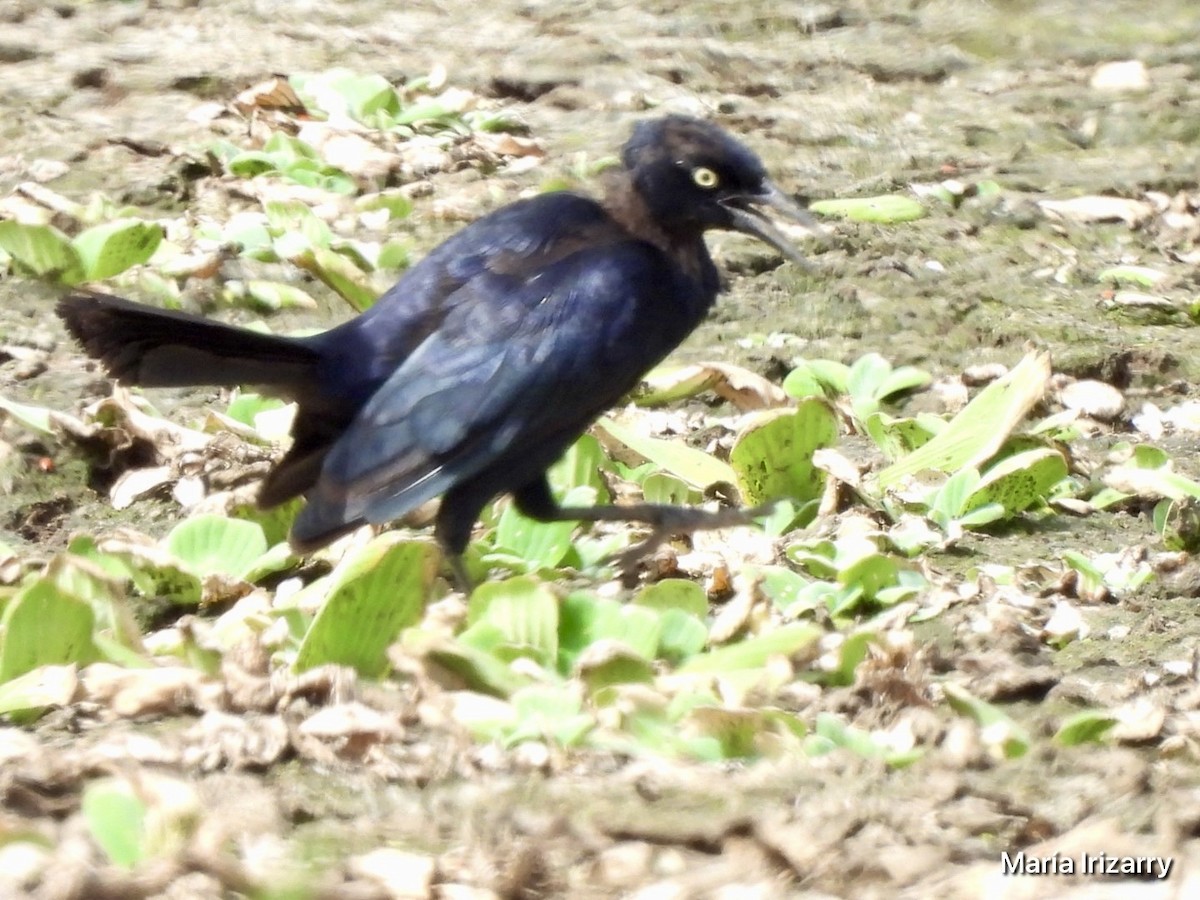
x=692, y=175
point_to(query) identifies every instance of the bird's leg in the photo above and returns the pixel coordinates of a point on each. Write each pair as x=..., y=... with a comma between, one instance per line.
x=458, y=570
x=453, y=531
x=537, y=502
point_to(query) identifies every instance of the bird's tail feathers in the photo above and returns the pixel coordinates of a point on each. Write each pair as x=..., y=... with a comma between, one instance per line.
x=141, y=345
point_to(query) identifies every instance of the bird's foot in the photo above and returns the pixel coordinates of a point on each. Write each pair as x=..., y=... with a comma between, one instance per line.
x=667, y=521
x=460, y=577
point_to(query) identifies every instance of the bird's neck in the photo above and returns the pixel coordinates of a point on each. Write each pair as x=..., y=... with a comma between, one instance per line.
x=685, y=246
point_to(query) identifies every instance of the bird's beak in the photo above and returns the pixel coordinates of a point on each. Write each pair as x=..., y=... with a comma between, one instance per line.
x=749, y=218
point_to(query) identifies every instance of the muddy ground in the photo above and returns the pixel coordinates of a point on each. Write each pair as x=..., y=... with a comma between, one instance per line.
x=841, y=98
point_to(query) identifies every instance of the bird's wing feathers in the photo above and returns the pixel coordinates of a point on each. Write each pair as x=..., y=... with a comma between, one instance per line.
x=513, y=240
x=520, y=362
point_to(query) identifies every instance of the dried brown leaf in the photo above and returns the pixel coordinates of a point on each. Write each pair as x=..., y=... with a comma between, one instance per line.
x=274, y=94
x=162, y=690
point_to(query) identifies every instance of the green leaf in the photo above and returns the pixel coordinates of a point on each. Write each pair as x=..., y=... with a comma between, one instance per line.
x=116, y=818
x=1107, y=571
x=343, y=92
x=578, y=615
x=287, y=150
x=524, y=610
x=274, y=296
x=908, y=585
x=275, y=522
x=290, y=157
x=44, y=626
x=661, y=735
x=865, y=378
x=35, y=418
x=659, y=487
x=981, y=428
x=783, y=587
x=105, y=595
x=582, y=465
x=950, y=500
x=249, y=163
x=870, y=572
x=1087, y=727
x=42, y=250
x=683, y=635
x=831, y=732
x=753, y=653
x=368, y=94
x=897, y=437
x=996, y=728
x=983, y=515
x=154, y=573
x=1019, y=481
x=871, y=380
x=639, y=628
x=478, y=670
x=279, y=558
x=816, y=556
x=245, y=408
x=1090, y=575
x=803, y=383
x=539, y=544
x=784, y=516
x=432, y=111
x=548, y=712
x=250, y=236
x=1177, y=522
x=337, y=272
x=667, y=384
x=1148, y=473
x=374, y=594
x=398, y=204
x=887, y=209
x=772, y=455
x=612, y=663
x=111, y=248
x=393, y=255
x=852, y=652
x=296, y=218
x=817, y=378
x=697, y=468
x=674, y=593
x=211, y=544
x=1143, y=276
x=327, y=178
x=27, y=696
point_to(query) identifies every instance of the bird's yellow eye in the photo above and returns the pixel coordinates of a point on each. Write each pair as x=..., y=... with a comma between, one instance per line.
x=705, y=177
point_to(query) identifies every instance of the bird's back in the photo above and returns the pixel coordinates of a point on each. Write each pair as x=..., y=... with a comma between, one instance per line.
x=518, y=239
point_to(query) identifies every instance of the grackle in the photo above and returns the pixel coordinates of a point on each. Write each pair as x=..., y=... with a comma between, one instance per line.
x=482, y=365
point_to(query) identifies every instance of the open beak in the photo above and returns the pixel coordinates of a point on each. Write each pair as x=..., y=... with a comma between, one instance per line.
x=749, y=218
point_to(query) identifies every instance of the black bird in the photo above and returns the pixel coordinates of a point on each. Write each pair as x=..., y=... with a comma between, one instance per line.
x=483, y=364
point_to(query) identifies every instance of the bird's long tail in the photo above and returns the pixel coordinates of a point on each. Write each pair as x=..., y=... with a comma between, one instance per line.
x=162, y=348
